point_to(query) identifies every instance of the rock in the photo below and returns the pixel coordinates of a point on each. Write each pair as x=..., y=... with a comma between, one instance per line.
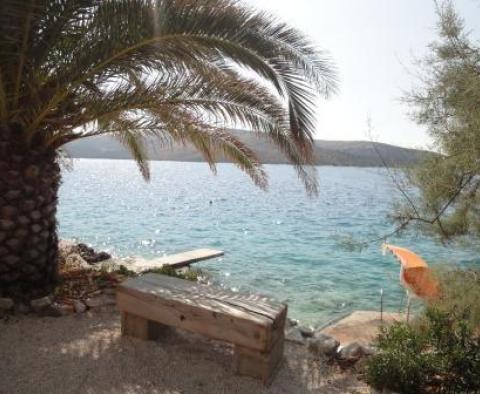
x=323, y=344
x=21, y=309
x=100, y=301
x=370, y=350
x=95, y=293
x=41, y=303
x=64, y=309
x=291, y=323
x=50, y=311
x=306, y=332
x=90, y=256
x=79, y=306
x=84, y=255
x=6, y=304
x=295, y=335
x=66, y=248
x=110, y=291
x=352, y=352
x=75, y=261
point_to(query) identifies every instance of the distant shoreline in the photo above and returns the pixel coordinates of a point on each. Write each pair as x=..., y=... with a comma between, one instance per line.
x=224, y=162
x=325, y=153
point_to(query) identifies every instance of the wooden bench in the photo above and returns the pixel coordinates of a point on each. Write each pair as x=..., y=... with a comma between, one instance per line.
x=254, y=324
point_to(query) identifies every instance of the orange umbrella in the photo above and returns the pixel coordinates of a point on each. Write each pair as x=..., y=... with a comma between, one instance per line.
x=415, y=274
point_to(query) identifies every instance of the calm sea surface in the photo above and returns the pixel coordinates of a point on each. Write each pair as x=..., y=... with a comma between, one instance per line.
x=279, y=243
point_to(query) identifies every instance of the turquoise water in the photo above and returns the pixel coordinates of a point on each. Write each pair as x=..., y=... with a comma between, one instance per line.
x=279, y=243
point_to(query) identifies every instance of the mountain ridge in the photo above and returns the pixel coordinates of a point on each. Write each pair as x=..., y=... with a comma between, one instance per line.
x=326, y=152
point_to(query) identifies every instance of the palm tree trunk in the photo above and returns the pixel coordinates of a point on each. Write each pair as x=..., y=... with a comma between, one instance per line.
x=29, y=181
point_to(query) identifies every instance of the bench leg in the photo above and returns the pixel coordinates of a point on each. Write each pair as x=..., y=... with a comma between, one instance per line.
x=257, y=364
x=139, y=327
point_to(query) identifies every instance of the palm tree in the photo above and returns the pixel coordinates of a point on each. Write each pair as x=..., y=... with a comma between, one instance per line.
x=141, y=71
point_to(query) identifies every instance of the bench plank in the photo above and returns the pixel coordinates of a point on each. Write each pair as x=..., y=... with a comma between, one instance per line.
x=250, y=302
x=248, y=321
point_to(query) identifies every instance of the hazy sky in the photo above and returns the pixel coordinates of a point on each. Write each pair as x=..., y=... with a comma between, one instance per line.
x=374, y=44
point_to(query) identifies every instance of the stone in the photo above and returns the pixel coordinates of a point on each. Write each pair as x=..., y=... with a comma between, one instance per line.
x=75, y=261
x=103, y=300
x=6, y=304
x=295, y=335
x=41, y=303
x=307, y=332
x=322, y=344
x=79, y=306
x=110, y=291
x=50, y=311
x=63, y=309
x=291, y=323
x=90, y=256
x=21, y=309
x=352, y=352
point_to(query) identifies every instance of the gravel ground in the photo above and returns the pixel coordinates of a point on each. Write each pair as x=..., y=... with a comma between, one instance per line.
x=86, y=354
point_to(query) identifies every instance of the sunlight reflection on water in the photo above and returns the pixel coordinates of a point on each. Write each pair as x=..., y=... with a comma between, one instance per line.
x=279, y=243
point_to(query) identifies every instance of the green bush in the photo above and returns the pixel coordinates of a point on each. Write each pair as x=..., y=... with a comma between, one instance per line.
x=401, y=365
x=460, y=293
x=440, y=352
x=189, y=274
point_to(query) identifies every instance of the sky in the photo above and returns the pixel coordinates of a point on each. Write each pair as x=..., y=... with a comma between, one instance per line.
x=374, y=44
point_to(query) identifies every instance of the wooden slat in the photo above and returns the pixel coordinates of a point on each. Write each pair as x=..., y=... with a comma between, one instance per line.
x=184, y=259
x=249, y=321
x=259, y=364
x=250, y=302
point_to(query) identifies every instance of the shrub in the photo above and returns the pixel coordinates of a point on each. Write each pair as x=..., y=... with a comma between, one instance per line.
x=401, y=365
x=440, y=352
x=460, y=293
x=189, y=274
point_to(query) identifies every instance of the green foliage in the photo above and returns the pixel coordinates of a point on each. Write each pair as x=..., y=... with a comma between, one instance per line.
x=447, y=103
x=189, y=274
x=460, y=292
x=167, y=71
x=440, y=351
x=400, y=364
x=125, y=271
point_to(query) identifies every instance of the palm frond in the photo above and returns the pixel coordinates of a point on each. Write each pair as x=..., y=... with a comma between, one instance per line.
x=71, y=69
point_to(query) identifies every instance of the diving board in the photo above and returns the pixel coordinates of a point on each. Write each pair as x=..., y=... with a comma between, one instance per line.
x=184, y=259
x=179, y=260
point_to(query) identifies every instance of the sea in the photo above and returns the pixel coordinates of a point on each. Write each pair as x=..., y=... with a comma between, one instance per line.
x=281, y=243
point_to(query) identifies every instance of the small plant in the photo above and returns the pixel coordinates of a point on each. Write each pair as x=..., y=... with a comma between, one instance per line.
x=460, y=292
x=125, y=271
x=400, y=364
x=440, y=352
x=189, y=274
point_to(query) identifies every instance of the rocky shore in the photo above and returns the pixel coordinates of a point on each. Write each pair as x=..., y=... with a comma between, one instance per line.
x=88, y=286
x=89, y=279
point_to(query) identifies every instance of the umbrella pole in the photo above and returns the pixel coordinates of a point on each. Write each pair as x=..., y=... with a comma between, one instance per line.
x=381, y=304
x=408, y=305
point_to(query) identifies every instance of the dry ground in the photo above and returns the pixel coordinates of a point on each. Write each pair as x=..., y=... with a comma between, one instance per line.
x=86, y=354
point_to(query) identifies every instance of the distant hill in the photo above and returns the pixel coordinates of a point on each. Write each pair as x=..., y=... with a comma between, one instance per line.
x=335, y=153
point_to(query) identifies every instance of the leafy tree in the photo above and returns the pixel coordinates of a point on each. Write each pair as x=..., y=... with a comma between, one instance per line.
x=447, y=102
x=170, y=70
